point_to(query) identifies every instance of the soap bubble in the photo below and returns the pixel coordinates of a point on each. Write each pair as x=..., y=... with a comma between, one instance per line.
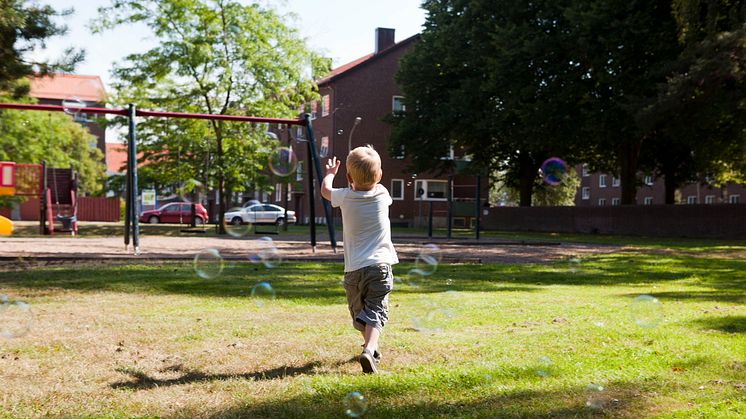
x=282, y=161
x=208, y=264
x=191, y=190
x=262, y=292
x=646, y=311
x=434, y=319
x=234, y=223
x=73, y=105
x=427, y=260
x=355, y=405
x=574, y=264
x=595, y=398
x=545, y=366
x=553, y=170
x=266, y=253
x=15, y=318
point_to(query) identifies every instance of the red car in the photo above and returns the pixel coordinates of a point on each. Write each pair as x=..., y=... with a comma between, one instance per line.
x=175, y=212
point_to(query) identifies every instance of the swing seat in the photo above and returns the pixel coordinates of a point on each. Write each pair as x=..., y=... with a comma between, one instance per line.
x=67, y=222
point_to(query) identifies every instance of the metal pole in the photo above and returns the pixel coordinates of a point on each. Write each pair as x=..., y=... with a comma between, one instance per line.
x=133, y=167
x=128, y=199
x=317, y=165
x=311, y=200
x=478, y=209
x=43, y=199
x=450, y=204
x=430, y=221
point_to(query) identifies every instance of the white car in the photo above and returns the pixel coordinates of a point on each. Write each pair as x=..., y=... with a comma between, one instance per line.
x=259, y=214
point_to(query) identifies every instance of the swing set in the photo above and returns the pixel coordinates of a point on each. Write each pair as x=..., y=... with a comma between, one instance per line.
x=131, y=223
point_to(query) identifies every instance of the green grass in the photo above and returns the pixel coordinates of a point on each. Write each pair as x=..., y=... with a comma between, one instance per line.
x=155, y=340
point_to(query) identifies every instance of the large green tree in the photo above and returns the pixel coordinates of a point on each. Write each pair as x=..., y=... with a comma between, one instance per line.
x=218, y=57
x=25, y=26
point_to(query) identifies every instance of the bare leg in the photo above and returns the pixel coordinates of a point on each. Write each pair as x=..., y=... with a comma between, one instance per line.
x=371, y=335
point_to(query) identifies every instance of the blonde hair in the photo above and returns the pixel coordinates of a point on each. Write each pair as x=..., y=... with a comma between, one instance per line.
x=364, y=166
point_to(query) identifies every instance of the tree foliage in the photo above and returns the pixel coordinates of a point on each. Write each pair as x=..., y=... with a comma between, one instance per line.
x=217, y=57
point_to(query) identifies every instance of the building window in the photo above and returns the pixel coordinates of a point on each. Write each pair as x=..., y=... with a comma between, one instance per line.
x=431, y=190
x=601, y=181
x=450, y=154
x=397, y=105
x=325, y=105
x=278, y=192
x=299, y=170
x=397, y=189
x=401, y=154
x=734, y=199
x=710, y=199
x=615, y=182
x=585, y=192
x=601, y=202
x=299, y=132
x=616, y=201
x=648, y=200
x=584, y=171
x=648, y=180
x=314, y=109
x=691, y=199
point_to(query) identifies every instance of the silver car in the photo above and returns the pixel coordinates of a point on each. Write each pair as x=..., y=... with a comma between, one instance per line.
x=259, y=214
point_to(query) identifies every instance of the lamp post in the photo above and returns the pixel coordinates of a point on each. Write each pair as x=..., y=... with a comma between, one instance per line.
x=349, y=138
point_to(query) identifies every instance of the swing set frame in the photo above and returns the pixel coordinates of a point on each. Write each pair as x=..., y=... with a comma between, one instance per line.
x=131, y=221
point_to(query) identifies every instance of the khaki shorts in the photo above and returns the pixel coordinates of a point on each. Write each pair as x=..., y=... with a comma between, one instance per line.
x=367, y=292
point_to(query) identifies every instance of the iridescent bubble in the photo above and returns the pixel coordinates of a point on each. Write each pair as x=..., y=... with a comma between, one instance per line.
x=595, y=398
x=283, y=161
x=73, y=105
x=414, y=278
x=545, y=366
x=646, y=311
x=191, y=191
x=235, y=223
x=553, y=170
x=574, y=264
x=434, y=320
x=262, y=293
x=266, y=253
x=355, y=405
x=15, y=318
x=427, y=260
x=208, y=264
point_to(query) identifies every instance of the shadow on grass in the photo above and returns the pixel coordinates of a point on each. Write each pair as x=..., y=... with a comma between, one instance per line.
x=140, y=380
x=728, y=324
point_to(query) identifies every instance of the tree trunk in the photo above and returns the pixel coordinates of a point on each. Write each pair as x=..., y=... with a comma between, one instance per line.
x=670, y=183
x=629, y=157
x=526, y=183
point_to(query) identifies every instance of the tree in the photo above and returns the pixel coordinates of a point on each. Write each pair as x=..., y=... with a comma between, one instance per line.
x=24, y=27
x=496, y=79
x=217, y=57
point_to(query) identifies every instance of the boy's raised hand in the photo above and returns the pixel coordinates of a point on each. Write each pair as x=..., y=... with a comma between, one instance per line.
x=332, y=166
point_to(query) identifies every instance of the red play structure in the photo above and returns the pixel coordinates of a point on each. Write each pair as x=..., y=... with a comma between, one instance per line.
x=56, y=190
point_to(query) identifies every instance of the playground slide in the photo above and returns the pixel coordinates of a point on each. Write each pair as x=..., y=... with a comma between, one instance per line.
x=6, y=226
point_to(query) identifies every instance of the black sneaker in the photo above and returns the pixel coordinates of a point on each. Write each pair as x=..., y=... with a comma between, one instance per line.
x=376, y=355
x=368, y=362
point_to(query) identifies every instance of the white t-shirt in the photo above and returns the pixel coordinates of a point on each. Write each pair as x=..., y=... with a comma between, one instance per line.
x=366, y=226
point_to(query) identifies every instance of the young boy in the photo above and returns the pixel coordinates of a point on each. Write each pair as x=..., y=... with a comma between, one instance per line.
x=368, y=251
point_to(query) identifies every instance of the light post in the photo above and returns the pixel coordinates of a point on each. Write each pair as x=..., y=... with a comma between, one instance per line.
x=349, y=138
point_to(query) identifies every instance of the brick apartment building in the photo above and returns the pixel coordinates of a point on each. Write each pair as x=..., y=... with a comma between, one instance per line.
x=601, y=189
x=355, y=98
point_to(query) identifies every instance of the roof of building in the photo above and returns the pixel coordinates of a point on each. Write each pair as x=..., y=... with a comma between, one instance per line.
x=363, y=61
x=67, y=86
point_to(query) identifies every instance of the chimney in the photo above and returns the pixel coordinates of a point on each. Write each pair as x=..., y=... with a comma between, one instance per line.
x=384, y=39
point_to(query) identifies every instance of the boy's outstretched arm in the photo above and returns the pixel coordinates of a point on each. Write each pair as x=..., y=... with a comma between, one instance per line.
x=332, y=166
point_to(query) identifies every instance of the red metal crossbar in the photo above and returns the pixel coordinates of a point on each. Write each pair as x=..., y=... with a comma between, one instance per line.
x=156, y=114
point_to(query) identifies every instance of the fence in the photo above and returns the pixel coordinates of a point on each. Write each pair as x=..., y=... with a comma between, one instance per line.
x=698, y=221
x=89, y=209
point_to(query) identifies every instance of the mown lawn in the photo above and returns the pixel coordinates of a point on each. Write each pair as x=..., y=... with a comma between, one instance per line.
x=469, y=341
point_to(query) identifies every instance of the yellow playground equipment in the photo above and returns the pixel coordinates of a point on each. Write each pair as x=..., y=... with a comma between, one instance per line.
x=6, y=226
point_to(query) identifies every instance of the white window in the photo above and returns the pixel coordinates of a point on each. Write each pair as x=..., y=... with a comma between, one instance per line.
x=401, y=154
x=709, y=199
x=397, y=105
x=615, y=182
x=585, y=192
x=648, y=200
x=648, y=180
x=691, y=199
x=430, y=190
x=300, y=132
x=616, y=201
x=450, y=154
x=601, y=181
x=397, y=189
x=314, y=109
x=325, y=105
x=278, y=192
x=299, y=170
x=584, y=170
x=734, y=199
x=601, y=202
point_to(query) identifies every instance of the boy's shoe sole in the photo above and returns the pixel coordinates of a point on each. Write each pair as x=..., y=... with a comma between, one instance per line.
x=368, y=362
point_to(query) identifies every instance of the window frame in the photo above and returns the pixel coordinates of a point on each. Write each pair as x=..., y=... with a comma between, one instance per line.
x=584, y=171
x=585, y=193
x=737, y=199
x=601, y=202
x=648, y=182
x=648, y=200
x=615, y=202
x=601, y=181
x=400, y=100
x=426, y=192
x=401, y=189
x=691, y=199
x=615, y=182
x=709, y=199
x=325, y=105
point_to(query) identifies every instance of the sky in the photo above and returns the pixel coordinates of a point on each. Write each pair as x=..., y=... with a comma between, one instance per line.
x=340, y=29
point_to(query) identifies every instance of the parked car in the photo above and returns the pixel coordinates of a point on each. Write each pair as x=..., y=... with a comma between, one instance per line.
x=175, y=212
x=259, y=214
